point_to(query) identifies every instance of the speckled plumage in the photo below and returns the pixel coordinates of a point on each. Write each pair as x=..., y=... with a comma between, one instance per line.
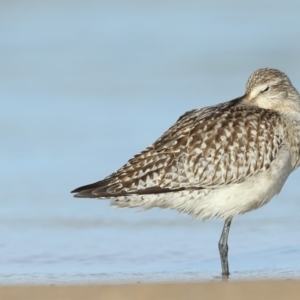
x=218, y=161
x=209, y=150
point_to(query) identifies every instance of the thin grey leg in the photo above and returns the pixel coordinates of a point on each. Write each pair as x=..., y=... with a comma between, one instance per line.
x=223, y=248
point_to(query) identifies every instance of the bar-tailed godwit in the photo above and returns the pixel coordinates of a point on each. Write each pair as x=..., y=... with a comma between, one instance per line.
x=218, y=161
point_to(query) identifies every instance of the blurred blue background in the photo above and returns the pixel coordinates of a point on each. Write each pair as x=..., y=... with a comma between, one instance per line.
x=84, y=85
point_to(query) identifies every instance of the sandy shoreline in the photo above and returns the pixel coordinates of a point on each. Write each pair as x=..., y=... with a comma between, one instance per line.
x=279, y=289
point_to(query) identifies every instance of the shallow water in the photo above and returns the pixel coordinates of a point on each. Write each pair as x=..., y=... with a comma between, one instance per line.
x=84, y=86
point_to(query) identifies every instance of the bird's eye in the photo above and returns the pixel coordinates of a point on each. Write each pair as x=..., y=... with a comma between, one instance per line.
x=266, y=89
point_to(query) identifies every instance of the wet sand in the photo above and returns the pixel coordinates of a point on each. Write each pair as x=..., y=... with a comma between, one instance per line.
x=284, y=289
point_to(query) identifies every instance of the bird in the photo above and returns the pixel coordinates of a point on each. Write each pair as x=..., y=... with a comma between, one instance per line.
x=218, y=161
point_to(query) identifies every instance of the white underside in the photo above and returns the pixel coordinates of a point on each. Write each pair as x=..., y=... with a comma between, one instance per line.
x=224, y=202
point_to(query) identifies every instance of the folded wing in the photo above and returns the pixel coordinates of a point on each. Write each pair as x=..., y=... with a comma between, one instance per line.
x=206, y=148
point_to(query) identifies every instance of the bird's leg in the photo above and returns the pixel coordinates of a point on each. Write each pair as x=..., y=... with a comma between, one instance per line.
x=223, y=248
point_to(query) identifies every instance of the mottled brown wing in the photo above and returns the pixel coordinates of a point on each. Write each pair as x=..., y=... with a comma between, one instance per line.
x=210, y=147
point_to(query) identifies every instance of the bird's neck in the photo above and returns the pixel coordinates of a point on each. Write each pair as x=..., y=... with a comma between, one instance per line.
x=293, y=134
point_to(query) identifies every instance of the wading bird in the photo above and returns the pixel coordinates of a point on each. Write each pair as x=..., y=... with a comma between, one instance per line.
x=218, y=161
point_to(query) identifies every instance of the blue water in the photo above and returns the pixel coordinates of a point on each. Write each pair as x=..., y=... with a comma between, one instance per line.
x=86, y=85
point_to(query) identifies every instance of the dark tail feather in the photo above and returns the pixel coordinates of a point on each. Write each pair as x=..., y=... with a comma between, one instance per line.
x=85, y=194
x=102, y=190
x=86, y=191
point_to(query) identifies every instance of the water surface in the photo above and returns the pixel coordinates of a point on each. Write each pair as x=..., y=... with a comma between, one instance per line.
x=86, y=85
